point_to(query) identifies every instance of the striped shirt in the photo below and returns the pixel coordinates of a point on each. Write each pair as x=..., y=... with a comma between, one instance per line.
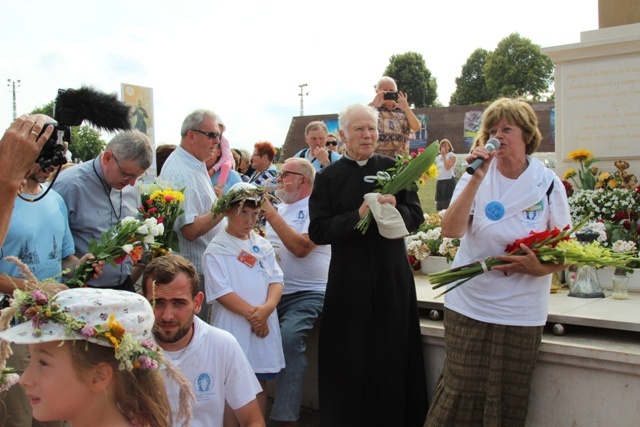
x=182, y=169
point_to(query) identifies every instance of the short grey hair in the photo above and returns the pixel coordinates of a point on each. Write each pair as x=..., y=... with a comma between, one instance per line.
x=244, y=154
x=195, y=119
x=345, y=115
x=386, y=79
x=315, y=125
x=132, y=145
x=304, y=167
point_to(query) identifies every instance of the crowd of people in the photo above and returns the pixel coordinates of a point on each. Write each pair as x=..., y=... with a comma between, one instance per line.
x=265, y=252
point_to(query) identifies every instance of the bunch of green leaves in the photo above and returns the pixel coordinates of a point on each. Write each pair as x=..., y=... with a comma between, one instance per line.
x=402, y=176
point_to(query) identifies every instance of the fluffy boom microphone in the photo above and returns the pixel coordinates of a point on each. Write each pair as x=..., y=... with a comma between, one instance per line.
x=102, y=110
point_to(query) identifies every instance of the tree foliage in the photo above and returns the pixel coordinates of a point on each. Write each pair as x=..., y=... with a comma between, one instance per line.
x=86, y=142
x=518, y=68
x=515, y=68
x=471, y=87
x=414, y=78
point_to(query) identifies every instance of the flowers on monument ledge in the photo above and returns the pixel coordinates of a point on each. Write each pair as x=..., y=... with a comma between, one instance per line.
x=428, y=240
x=585, y=173
x=408, y=172
x=613, y=200
x=554, y=246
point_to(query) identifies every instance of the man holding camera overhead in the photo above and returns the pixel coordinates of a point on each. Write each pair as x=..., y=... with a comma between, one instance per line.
x=395, y=118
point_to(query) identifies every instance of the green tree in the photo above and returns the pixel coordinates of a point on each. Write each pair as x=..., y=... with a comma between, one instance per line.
x=86, y=142
x=518, y=68
x=471, y=87
x=413, y=78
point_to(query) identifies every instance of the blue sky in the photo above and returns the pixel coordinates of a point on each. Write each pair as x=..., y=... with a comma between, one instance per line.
x=245, y=60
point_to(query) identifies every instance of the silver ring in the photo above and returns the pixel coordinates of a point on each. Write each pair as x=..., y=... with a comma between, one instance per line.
x=34, y=133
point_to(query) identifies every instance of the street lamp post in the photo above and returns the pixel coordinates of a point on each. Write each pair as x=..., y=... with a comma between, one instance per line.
x=302, y=95
x=13, y=83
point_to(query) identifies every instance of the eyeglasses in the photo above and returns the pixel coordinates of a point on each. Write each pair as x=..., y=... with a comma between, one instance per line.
x=334, y=143
x=124, y=175
x=210, y=135
x=283, y=174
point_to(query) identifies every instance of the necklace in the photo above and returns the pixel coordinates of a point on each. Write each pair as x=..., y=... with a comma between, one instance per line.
x=106, y=191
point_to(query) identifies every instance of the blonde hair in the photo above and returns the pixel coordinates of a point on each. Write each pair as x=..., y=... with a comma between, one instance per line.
x=517, y=112
x=446, y=142
x=140, y=395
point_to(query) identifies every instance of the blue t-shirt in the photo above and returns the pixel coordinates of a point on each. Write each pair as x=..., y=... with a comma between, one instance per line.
x=333, y=157
x=39, y=236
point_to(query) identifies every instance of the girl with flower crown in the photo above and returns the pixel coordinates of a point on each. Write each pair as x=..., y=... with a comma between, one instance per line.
x=94, y=362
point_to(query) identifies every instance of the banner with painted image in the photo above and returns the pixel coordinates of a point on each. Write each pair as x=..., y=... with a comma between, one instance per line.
x=471, y=127
x=141, y=101
x=419, y=139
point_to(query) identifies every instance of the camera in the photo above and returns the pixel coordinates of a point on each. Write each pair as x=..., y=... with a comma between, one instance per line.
x=52, y=153
x=71, y=108
x=391, y=96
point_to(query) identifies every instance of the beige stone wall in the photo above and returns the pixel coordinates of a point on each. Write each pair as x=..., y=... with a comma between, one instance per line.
x=612, y=13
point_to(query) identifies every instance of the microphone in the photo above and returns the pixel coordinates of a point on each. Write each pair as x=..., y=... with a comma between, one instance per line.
x=491, y=145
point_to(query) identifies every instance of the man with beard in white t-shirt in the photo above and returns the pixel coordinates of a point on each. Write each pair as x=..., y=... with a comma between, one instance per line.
x=305, y=266
x=209, y=357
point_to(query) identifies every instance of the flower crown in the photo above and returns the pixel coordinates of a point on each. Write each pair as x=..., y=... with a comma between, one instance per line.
x=39, y=308
x=241, y=195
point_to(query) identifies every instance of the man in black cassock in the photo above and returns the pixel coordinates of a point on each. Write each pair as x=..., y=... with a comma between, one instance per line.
x=371, y=368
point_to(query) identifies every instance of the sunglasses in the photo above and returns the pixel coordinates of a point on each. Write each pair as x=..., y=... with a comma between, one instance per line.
x=283, y=174
x=334, y=143
x=210, y=135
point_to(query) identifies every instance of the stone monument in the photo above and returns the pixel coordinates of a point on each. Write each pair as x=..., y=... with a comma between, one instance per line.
x=597, y=88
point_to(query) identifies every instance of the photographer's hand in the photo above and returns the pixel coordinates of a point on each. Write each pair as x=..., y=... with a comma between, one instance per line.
x=20, y=146
x=402, y=101
x=378, y=100
x=19, y=149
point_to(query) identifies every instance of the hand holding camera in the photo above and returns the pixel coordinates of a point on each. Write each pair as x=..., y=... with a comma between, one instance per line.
x=21, y=144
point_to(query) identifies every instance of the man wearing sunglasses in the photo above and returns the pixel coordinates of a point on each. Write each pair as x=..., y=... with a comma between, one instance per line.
x=186, y=168
x=315, y=135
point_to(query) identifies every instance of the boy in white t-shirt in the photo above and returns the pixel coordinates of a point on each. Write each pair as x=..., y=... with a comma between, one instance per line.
x=244, y=283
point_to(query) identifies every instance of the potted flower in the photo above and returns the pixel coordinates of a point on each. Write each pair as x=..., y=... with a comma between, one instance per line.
x=428, y=246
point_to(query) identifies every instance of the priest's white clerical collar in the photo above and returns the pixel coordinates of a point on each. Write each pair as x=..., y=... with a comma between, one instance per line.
x=359, y=162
